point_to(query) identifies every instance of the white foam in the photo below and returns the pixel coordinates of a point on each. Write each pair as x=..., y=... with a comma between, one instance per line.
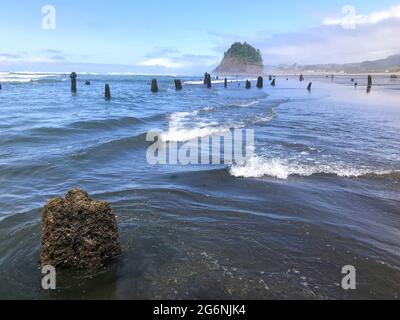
x=248, y=104
x=181, y=129
x=258, y=167
x=201, y=82
x=24, y=77
x=183, y=135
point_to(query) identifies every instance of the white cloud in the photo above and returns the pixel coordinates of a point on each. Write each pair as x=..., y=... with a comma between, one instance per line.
x=332, y=44
x=350, y=18
x=162, y=62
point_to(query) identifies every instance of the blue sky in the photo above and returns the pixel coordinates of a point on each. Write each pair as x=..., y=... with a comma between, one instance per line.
x=178, y=36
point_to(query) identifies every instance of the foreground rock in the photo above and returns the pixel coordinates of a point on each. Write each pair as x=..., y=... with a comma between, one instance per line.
x=79, y=233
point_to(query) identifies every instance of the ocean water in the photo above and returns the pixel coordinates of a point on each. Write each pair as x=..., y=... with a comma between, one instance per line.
x=322, y=190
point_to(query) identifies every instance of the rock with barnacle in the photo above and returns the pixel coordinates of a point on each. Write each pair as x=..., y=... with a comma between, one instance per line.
x=79, y=233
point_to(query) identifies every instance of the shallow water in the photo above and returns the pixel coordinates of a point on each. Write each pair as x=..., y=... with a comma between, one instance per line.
x=322, y=190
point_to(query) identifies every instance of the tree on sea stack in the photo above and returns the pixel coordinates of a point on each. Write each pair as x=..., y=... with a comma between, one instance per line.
x=241, y=59
x=79, y=233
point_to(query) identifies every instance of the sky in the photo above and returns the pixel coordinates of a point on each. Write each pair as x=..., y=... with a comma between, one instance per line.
x=189, y=37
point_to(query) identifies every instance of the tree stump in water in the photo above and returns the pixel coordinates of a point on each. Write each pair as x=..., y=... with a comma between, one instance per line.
x=178, y=84
x=260, y=83
x=79, y=233
x=107, y=92
x=73, y=77
x=154, y=86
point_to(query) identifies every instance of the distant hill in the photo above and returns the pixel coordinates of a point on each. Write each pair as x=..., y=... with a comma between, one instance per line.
x=241, y=59
x=390, y=64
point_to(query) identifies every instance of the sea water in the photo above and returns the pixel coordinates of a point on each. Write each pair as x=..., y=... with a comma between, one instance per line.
x=321, y=191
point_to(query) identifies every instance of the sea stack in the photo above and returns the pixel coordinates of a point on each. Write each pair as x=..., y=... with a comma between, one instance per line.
x=248, y=84
x=241, y=59
x=73, y=77
x=79, y=233
x=178, y=84
x=107, y=92
x=154, y=86
x=260, y=82
x=309, y=86
x=273, y=83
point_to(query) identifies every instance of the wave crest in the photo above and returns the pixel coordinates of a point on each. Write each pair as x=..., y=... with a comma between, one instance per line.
x=258, y=167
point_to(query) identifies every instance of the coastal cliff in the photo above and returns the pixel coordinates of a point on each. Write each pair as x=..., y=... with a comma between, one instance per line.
x=241, y=59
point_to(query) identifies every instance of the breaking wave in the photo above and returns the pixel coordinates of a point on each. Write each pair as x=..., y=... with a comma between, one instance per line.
x=27, y=77
x=258, y=167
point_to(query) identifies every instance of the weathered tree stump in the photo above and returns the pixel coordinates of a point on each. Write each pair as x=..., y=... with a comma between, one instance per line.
x=87, y=83
x=273, y=83
x=79, y=233
x=226, y=83
x=206, y=75
x=369, y=81
x=73, y=77
x=270, y=78
x=207, y=80
x=309, y=86
x=154, y=86
x=107, y=92
x=301, y=78
x=260, y=82
x=178, y=84
x=248, y=84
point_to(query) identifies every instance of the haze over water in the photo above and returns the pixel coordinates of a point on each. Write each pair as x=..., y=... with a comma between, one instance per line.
x=322, y=190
